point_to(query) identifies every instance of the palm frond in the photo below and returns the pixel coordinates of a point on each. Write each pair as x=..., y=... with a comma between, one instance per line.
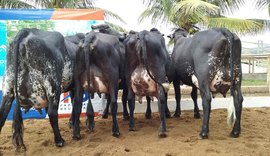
x=240, y=26
x=116, y=27
x=229, y=6
x=109, y=14
x=154, y=14
x=195, y=10
x=191, y=7
x=262, y=4
x=15, y=4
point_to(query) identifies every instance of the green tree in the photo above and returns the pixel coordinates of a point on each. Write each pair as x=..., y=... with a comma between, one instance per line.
x=81, y=4
x=191, y=14
x=14, y=26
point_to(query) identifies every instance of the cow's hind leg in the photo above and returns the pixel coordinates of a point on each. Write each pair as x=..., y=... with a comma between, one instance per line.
x=5, y=108
x=124, y=102
x=148, y=113
x=114, y=106
x=131, y=105
x=106, y=110
x=17, y=138
x=90, y=116
x=238, y=99
x=161, y=109
x=53, y=116
x=206, y=103
x=76, y=112
x=167, y=111
x=194, y=96
x=176, y=85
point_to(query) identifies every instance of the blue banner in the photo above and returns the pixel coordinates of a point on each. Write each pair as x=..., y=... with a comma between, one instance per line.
x=3, y=42
x=26, y=14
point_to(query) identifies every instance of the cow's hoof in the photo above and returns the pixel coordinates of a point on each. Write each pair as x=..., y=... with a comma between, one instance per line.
x=60, y=143
x=132, y=128
x=116, y=134
x=176, y=115
x=105, y=116
x=126, y=117
x=235, y=134
x=197, y=116
x=148, y=116
x=203, y=136
x=20, y=149
x=90, y=128
x=162, y=135
x=77, y=137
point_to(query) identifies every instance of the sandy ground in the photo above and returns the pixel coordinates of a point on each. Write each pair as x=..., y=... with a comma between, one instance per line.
x=182, y=137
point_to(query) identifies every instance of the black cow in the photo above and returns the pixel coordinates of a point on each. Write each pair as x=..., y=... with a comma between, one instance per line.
x=147, y=65
x=98, y=69
x=43, y=70
x=211, y=61
x=105, y=28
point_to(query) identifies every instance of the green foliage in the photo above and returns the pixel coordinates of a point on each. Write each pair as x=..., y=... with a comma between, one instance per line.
x=14, y=26
x=236, y=25
x=205, y=13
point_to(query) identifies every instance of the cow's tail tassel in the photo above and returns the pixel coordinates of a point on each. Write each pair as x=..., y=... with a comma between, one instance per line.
x=18, y=39
x=231, y=117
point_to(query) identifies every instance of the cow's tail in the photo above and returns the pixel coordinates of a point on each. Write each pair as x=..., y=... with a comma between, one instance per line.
x=87, y=53
x=231, y=117
x=18, y=39
x=143, y=57
x=7, y=100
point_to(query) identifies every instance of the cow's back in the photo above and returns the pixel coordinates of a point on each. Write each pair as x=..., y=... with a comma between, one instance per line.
x=42, y=60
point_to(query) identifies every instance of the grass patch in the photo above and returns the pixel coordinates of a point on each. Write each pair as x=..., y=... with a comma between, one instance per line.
x=253, y=82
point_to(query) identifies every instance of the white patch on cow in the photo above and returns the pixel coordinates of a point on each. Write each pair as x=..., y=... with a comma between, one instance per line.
x=142, y=84
x=231, y=117
x=7, y=83
x=49, y=89
x=195, y=80
x=38, y=101
x=67, y=75
x=101, y=86
x=85, y=85
x=218, y=81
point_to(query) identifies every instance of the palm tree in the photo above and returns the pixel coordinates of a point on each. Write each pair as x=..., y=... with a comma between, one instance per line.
x=191, y=14
x=82, y=4
x=262, y=4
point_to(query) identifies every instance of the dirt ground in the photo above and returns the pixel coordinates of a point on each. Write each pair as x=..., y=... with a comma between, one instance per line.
x=182, y=137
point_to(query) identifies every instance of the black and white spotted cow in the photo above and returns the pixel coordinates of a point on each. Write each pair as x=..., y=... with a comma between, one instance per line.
x=39, y=68
x=97, y=69
x=211, y=61
x=148, y=65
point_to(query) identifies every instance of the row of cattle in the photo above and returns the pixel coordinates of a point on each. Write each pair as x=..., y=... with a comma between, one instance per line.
x=42, y=64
